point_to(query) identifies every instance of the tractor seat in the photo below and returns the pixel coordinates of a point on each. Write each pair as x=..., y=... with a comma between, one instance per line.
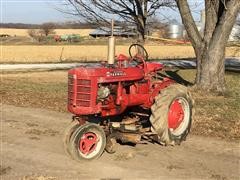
x=152, y=67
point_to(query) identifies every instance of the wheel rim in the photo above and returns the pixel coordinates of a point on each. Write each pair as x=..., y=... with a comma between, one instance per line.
x=88, y=143
x=178, y=116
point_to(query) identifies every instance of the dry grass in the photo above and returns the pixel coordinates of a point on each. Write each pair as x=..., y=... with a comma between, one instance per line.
x=82, y=32
x=43, y=77
x=24, y=32
x=216, y=116
x=37, y=89
x=33, y=54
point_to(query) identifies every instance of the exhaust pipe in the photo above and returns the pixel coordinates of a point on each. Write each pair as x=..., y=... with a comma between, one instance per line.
x=111, y=47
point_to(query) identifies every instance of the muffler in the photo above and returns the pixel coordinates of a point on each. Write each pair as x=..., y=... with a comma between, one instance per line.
x=111, y=47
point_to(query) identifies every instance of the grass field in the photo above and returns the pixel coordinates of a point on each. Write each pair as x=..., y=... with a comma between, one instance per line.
x=216, y=116
x=21, y=49
x=34, y=54
x=24, y=32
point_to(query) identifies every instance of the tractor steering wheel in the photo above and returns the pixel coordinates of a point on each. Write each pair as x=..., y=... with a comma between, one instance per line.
x=138, y=53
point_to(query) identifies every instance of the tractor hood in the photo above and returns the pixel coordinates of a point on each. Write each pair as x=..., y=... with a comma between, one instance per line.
x=107, y=74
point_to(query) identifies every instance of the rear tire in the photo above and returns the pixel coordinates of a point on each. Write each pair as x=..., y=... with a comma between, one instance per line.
x=172, y=114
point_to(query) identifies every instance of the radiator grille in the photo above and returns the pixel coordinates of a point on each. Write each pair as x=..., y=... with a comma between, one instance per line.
x=70, y=89
x=84, y=82
x=83, y=92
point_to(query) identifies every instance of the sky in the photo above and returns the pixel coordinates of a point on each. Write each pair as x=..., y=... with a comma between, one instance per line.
x=32, y=11
x=40, y=11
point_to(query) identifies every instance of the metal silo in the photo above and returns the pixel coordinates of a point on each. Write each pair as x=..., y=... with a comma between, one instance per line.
x=235, y=33
x=175, y=31
x=203, y=17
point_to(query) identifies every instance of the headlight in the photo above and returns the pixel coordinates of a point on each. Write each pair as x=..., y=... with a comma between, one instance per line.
x=103, y=92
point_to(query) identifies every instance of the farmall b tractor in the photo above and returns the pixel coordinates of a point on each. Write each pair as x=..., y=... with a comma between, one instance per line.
x=127, y=101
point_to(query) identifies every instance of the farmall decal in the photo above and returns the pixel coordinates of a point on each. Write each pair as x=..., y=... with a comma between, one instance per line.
x=115, y=73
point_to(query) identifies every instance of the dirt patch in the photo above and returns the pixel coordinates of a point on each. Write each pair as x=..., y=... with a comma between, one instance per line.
x=125, y=156
x=4, y=170
x=37, y=177
x=174, y=167
x=34, y=138
x=218, y=177
x=197, y=158
x=46, y=132
x=31, y=124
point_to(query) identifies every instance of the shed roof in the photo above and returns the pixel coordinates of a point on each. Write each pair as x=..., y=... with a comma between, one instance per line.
x=118, y=31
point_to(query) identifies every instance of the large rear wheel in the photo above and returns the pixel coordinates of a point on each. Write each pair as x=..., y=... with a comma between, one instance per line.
x=172, y=114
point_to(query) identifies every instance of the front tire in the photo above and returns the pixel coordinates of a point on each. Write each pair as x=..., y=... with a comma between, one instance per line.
x=67, y=135
x=172, y=114
x=87, y=142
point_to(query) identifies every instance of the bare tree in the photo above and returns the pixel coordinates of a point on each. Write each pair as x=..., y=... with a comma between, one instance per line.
x=133, y=12
x=157, y=27
x=47, y=28
x=210, y=47
x=35, y=34
x=32, y=33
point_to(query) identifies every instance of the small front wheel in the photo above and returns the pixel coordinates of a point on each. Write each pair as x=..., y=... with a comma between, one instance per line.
x=67, y=135
x=87, y=142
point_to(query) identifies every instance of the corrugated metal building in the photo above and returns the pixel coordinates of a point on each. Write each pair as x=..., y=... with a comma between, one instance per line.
x=118, y=32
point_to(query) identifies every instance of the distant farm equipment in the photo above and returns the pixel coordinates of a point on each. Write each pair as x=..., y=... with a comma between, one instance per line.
x=67, y=37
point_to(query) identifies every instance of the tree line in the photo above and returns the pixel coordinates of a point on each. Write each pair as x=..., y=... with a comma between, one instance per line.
x=63, y=25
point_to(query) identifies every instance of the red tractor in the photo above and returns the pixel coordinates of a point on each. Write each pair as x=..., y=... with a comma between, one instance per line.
x=130, y=101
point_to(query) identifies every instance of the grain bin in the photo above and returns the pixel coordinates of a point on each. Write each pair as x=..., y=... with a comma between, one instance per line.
x=175, y=31
x=235, y=33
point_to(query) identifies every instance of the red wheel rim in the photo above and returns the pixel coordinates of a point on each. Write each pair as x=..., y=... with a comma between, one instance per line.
x=88, y=143
x=175, y=114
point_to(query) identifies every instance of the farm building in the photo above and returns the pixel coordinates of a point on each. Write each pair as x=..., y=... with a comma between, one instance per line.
x=118, y=32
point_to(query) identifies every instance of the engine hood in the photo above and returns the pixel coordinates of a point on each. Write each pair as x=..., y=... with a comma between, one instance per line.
x=108, y=74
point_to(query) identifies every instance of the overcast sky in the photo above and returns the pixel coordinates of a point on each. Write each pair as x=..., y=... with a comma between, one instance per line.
x=39, y=11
